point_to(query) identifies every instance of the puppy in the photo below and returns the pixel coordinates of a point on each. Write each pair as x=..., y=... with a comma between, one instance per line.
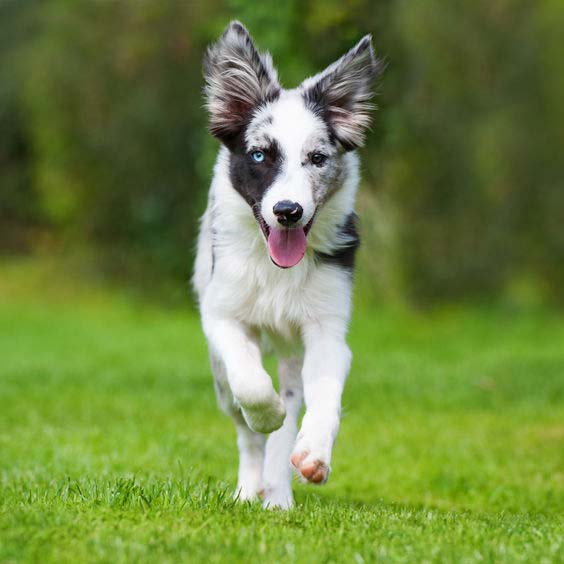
x=276, y=254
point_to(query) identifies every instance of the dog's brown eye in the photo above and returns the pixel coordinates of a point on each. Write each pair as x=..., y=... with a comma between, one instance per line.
x=318, y=159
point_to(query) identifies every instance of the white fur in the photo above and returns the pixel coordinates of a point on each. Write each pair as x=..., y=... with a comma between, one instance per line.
x=248, y=303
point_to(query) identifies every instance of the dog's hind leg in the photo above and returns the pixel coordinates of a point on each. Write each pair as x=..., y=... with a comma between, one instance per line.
x=251, y=457
x=251, y=444
x=277, y=473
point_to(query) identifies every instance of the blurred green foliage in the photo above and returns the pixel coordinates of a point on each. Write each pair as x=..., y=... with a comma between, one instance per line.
x=103, y=142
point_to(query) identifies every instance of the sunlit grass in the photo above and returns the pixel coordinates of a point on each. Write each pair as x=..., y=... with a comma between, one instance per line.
x=112, y=448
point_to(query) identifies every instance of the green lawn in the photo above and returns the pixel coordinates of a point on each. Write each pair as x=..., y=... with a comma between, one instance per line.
x=112, y=449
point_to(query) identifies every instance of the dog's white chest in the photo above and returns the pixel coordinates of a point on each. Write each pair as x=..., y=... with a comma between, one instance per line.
x=267, y=297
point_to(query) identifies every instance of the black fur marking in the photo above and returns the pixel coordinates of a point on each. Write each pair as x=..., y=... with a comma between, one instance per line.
x=263, y=122
x=249, y=178
x=344, y=256
x=315, y=102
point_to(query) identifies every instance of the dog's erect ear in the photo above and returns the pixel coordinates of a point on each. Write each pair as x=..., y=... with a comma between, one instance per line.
x=342, y=93
x=238, y=80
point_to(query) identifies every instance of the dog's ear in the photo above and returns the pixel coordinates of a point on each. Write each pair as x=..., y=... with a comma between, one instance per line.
x=342, y=93
x=238, y=80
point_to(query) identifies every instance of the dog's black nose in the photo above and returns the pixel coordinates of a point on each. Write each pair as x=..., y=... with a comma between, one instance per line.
x=288, y=212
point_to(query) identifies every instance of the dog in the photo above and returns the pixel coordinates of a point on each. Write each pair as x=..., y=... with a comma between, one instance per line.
x=275, y=254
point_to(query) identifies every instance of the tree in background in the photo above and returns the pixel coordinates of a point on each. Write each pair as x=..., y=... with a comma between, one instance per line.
x=474, y=147
x=104, y=137
x=19, y=209
x=114, y=94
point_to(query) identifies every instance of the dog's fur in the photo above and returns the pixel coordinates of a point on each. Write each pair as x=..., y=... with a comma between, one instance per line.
x=247, y=302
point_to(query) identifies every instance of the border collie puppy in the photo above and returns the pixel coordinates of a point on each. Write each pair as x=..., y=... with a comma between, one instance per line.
x=276, y=253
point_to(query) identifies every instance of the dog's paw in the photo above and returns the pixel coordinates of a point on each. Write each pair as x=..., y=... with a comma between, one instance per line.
x=311, y=469
x=312, y=464
x=265, y=416
x=277, y=498
x=243, y=493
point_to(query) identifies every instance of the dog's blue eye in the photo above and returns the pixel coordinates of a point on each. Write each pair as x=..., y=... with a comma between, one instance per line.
x=257, y=156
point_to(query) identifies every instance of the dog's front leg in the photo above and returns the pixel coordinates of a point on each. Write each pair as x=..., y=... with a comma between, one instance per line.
x=251, y=386
x=326, y=365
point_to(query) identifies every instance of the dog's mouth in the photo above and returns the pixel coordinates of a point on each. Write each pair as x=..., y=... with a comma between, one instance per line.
x=286, y=246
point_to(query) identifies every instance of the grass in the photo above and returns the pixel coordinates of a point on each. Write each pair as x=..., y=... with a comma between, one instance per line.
x=112, y=448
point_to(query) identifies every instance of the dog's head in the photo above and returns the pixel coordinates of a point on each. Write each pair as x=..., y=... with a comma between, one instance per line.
x=286, y=146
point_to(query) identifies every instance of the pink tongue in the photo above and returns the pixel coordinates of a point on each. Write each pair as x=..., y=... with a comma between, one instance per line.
x=287, y=246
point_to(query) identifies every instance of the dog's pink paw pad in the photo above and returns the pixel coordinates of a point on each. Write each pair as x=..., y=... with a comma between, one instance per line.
x=315, y=471
x=297, y=458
